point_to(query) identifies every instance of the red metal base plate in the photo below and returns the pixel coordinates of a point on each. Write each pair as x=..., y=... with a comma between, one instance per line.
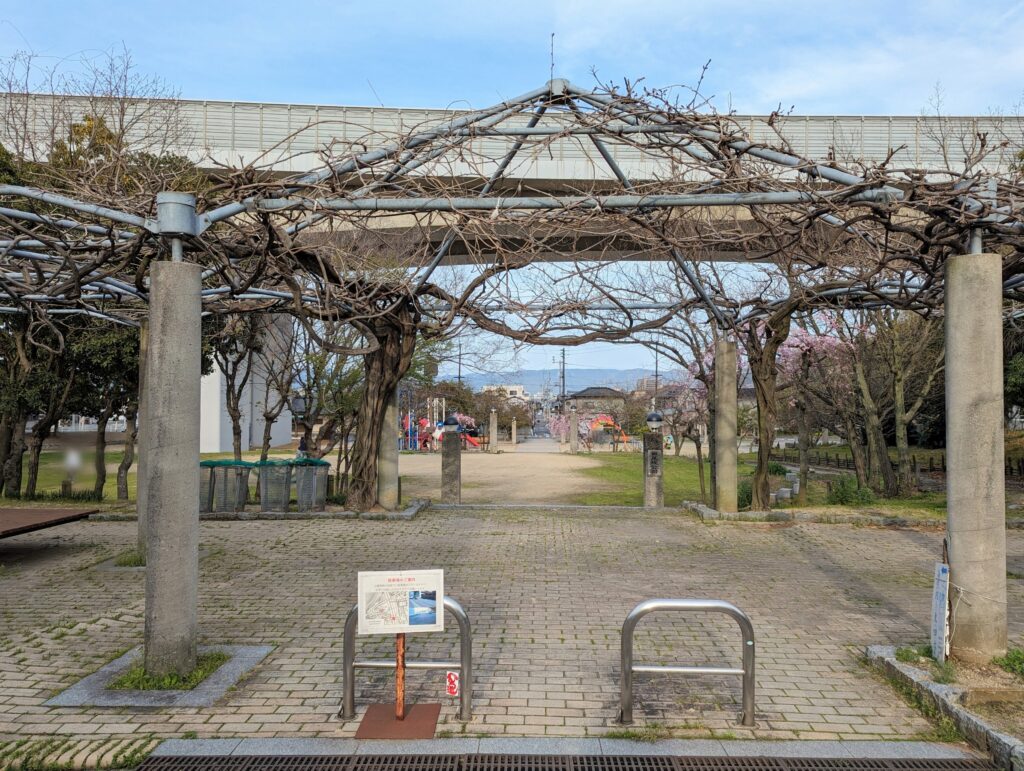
x=379, y=722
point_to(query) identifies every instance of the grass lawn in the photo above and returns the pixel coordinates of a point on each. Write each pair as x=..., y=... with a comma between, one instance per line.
x=624, y=470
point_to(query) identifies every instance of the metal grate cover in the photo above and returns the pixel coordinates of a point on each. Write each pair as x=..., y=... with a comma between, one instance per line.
x=543, y=763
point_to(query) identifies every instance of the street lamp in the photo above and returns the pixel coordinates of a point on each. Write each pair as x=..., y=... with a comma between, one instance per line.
x=298, y=406
x=654, y=421
x=451, y=424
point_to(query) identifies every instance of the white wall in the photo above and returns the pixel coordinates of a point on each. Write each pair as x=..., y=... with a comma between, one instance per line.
x=215, y=423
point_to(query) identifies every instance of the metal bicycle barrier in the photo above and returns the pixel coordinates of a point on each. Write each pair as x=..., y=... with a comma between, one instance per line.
x=464, y=665
x=712, y=606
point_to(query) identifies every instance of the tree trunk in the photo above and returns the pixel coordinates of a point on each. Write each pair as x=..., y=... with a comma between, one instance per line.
x=905, y=480
x=384, y=368
x=803, y=427
x=131, y=431
x=700, y=469
x=764, y=372
x=35, y=447
x=881, y=478
x=101, y=450
x=856, y=449
x=5, y=445
x=677, y=444
x=15, y=457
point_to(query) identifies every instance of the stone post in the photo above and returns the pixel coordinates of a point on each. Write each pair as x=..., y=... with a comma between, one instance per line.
x=574, y=432
x=493, y=432
x=387, y=457
x=451, y=467
x=725, y=425
x=142, y=467
x=515, y=434
x=172, y=478
x=654, y=493
x=976, y=493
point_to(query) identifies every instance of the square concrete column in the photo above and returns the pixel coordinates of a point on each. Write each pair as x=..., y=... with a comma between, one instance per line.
x=492, y=429
x=515, y=433
x=142, y=462
x=574, y=432
x=172, y=478
x=976, y=493
x=654, y=491
x=725, y=425
x=387, y=456
x=451, y=467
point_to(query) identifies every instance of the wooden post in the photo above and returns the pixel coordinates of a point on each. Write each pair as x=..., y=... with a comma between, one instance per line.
x=400, y=676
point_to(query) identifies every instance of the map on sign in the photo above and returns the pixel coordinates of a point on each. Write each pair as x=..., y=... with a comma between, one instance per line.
x=401, y=601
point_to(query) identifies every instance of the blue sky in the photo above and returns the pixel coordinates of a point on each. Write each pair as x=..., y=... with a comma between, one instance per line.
x=821, y=57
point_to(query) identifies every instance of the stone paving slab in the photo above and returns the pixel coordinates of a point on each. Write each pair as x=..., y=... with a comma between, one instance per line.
x=546, y=592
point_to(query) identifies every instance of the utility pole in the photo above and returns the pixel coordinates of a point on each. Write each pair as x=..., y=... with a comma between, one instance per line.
x=561, y=396
x=460, y=363
x=654, y=400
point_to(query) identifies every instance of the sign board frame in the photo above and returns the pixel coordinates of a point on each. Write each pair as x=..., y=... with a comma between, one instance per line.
x=940, y=612
x=400, y=601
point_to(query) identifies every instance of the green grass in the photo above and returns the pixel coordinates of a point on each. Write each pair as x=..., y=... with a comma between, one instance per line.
x=1012, y=662
x=136, y=679
x=130, y=559
x=622, y=476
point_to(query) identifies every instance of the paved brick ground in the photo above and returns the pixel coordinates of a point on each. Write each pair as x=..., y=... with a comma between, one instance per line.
x=546, y=592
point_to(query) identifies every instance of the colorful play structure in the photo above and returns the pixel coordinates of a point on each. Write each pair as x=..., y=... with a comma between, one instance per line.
x=424, y=436
x=605, y=422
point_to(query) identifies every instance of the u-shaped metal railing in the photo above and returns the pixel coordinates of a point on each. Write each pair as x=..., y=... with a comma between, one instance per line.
x=715, y=606
x=464, y=665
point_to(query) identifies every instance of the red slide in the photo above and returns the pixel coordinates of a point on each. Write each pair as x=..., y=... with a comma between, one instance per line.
x=471, y=440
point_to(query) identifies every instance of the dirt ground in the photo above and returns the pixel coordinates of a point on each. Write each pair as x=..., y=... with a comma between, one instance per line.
x=505, y=477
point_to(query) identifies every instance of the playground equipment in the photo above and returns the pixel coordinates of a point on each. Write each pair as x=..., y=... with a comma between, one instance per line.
x=604, y=422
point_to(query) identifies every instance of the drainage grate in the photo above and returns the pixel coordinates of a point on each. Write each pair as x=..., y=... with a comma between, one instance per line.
x=542, y=763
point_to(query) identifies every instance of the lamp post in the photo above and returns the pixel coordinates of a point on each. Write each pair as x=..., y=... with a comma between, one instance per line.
x=492, y=431
x=451, y=461
x=654, y=493
x=574, y=430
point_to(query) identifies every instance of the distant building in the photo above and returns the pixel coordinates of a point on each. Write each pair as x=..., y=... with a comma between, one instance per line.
x=515, y=390
x=597, y=399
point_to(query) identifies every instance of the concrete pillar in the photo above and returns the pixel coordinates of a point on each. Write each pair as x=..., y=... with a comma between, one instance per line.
x=142, y=462
x=574, y=432
x=387, y=457
x=725, y=425
x=172, y=442
x=976, y=493
x=451, y=467
x=654, y=491
x=493, y=432
x=515, y=433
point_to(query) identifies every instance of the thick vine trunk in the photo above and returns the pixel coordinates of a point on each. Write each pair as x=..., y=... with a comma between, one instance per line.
x=383, y=369
x=35, y=448
x=101, y=452
x=881, y=477
x=764, y=371
x=5, y=445
x=131, y=432
x=15, y=458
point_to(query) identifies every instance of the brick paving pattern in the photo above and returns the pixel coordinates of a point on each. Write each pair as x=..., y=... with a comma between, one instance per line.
x=546, y=592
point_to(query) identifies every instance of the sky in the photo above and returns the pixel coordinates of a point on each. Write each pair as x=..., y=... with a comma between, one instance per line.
x=818, y=58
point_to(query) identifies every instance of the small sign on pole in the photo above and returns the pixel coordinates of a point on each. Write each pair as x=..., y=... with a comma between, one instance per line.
x=398, y=601
x=451, y=683
x=940, y=612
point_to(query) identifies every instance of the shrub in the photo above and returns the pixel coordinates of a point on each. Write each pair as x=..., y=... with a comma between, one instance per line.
x=776, y=469
x=744, y=494
x=844, y=492
x=1012, y=662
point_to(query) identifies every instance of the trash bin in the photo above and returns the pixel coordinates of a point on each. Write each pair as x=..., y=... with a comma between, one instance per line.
x=275, y=484
x=310, y=483
x=205, y=486
x=230, y=484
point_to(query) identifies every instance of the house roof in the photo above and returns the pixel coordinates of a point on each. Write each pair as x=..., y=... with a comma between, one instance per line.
x=598, y=392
